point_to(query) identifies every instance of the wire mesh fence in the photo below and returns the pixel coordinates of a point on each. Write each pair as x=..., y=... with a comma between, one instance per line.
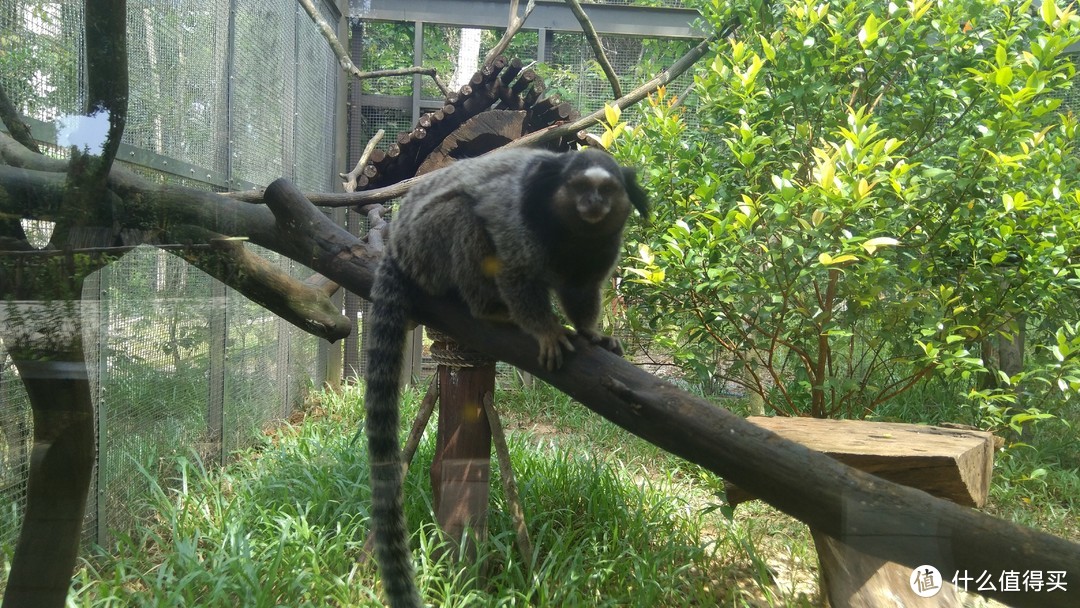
x=222, y=95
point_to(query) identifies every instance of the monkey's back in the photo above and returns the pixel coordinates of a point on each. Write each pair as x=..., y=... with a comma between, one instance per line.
x=456, y=230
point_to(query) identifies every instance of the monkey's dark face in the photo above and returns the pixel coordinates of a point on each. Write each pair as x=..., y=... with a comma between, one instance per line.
x=594, y=196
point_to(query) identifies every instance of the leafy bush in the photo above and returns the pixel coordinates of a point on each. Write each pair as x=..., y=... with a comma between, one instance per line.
x=879, y=193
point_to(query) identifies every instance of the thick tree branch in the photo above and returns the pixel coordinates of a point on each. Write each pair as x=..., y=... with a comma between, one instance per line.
x=107, y=73
x=597, y=47
x=305, y=306
x=348, y=66
x=15, y=125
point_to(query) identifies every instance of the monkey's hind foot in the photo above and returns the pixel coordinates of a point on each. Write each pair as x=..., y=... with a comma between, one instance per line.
x=609, y=343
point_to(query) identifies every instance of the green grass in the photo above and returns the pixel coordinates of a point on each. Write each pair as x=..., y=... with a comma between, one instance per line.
x=613, y=520
x=286, y=524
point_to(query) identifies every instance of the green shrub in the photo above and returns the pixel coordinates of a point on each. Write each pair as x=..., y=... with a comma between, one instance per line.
x=879, y=193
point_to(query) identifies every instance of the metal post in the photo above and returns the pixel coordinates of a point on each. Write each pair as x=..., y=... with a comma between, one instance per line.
x=542, y=35
x=418, y=59
x=215, y=407
x=99, y=286
x=230, y=92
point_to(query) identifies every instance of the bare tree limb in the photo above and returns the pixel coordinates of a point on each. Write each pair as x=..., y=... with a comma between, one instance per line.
x=512, y=27
x=351, y=176
x=342, y=199
x=15, y=125
x=597, y=47
x=377, y=227
x=346, y=63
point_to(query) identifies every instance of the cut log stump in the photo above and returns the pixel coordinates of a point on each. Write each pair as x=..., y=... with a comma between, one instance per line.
x=954, y=464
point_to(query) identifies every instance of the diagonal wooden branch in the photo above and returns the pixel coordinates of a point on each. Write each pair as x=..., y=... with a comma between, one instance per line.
x=306, y=306
x=348, y=66
x=512, y=27
x=639, y=93
x=869, y=514
x=597, y=47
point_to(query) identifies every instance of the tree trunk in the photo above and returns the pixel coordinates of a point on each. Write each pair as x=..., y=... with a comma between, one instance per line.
x=61, y=460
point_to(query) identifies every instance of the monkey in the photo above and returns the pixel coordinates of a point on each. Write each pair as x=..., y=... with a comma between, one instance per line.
x=501, y=231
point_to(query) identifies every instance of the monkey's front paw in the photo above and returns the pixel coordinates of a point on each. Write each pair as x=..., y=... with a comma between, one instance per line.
x=606, y=342
x=551, y=349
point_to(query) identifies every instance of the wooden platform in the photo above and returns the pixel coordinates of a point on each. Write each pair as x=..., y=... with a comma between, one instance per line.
x=954, y=464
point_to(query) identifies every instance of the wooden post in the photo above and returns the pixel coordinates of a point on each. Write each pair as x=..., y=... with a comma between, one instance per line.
x=461, y=471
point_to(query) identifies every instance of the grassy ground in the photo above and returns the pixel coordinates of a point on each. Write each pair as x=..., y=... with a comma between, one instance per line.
x=613, y=521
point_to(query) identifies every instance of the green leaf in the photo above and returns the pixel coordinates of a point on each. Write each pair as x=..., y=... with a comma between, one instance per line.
x=1048, y=11
x=770, y=52
x=869, y=32
x=1003, y=76
x=612, y=114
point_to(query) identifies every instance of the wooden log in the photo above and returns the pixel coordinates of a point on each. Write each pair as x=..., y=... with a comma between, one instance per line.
x=543, y=105
x=512, y=69
x=480, y=134
x=524, y=81
x=535, y=92
x=854, y=579
x=461, y=469
x=508, y=100
x=482, y=98
x=489, y=72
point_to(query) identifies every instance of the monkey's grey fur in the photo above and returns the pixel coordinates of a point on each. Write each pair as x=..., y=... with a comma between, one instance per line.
x=502, y=231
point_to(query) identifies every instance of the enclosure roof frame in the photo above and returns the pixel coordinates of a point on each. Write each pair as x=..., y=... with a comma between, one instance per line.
x=611, y=19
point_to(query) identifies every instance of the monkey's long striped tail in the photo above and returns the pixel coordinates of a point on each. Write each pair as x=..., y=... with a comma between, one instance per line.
x=390, y=301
